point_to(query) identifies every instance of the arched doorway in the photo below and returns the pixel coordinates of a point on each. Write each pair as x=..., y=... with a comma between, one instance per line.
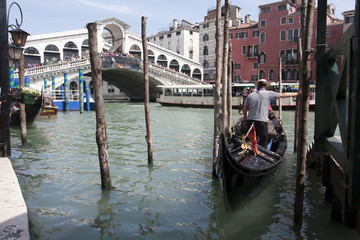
x=51, y=54
x=196, y=73
x=186, y=69
x=32, y=57
x=174, y=65
x=135, y=50
x=162, y=60
x=70, y=51
x=113, y=35
x=85, y=50
x=151, y=56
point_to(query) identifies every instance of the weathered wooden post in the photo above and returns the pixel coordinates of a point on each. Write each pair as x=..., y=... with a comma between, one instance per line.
x=298, y=102
x=23, y=130
x=303, y=123
x=229, y=98
x=217, y=103
x=224, y=72
x=66, y=90
x=101, y=135
x=146, y=96
x=81, y=88
x=280, y=88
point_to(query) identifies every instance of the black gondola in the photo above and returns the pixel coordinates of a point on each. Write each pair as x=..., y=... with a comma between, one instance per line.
x=243, y=174
x=32, y=111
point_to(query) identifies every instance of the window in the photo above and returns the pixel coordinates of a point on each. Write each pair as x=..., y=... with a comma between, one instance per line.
x=206, y=37
x=250, y=51
x=265, y=9
x=349, y=19
x=288, y=75
x=154, y=39
x=283, y=20
x=255, y=66
x=262, y=57
x=256, y=50
x=206, y=64
x=178, y=33
x=295, y=55
x=296, y=34
x=237, y=66
x=169, y=35
x=255, y=34
x=291, y=20
x=206, y=51
x=261, y=74
x=327, y=33
x=237, y=35
x=243, y=50
x=191, y=32
x=281, y=7
x=254, y=78
x=230, y=36
x=206, y=25
x=262, y=37
x=282, y=55
x=263, y=23
x=283, y=35
x=271, y=75
x=161, y=37
x=243, y=35
x=290, y=35
x=289, y=54
x=237, y=78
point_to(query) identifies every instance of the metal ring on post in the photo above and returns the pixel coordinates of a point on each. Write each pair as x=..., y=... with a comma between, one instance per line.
x=8, y=14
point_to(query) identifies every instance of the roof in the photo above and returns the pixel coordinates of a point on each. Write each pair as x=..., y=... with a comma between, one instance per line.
x=57, y=34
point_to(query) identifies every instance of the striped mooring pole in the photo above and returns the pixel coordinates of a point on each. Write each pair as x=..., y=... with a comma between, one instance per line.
x=87, y=92
x=12, y=79
x=81, y=89
x=66, y=91
x=53, y=85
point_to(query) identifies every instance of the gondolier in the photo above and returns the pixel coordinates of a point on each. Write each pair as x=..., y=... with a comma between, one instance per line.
x=256, y=109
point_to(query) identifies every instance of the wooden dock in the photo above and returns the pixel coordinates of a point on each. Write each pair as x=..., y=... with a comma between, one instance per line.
x=338, y=107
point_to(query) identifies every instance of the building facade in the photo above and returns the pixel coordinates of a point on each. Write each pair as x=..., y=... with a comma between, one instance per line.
x=182, y=38
x=259, y=47
x=207, y=40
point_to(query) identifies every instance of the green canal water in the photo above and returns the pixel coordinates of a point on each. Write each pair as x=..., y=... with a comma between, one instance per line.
x=177, y=198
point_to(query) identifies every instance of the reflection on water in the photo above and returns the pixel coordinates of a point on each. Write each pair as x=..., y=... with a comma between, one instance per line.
x=177, y=198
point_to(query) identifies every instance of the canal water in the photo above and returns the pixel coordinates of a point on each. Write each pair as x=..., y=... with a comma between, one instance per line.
x=177, y=198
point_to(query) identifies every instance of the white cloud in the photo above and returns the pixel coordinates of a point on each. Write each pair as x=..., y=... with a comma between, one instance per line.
x=107, y=7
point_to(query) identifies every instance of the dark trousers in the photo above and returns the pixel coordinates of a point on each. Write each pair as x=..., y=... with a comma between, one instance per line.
x=261, y=129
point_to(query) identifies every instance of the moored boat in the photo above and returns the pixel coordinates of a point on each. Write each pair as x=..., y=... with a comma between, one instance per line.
x=49, y=108
x=202, y=95
x=32, y=110
x=245, y=168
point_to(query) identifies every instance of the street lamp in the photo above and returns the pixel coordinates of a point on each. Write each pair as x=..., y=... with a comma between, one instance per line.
x=12, y=52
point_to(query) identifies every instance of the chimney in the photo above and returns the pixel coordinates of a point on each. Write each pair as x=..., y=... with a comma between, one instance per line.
x=247, y=18
x=175, y=23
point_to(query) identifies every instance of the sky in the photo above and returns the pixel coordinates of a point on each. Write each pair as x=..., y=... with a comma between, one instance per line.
x=48, y=16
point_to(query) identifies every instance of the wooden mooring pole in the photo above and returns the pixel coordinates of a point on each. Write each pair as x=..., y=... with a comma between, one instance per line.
x=23, y=129
x=224, y=71
x=303, y=119
x=147, y=94
x=101, y=135
x=217, y=103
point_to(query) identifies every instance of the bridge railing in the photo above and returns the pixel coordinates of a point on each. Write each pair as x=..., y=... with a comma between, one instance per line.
x=57, y=67
x=73, y=95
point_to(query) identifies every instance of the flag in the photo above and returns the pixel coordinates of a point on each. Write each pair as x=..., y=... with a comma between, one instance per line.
x=251, y=134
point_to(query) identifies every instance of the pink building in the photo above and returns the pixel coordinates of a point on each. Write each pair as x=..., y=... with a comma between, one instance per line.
x=260, y=46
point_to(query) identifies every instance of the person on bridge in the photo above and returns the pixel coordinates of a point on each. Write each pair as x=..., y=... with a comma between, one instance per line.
x=256, y=109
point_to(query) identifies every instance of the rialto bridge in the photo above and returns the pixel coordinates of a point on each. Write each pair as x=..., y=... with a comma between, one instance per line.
x=50, y=55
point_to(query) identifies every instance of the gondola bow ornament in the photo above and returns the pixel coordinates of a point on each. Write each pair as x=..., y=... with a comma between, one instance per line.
x=251, y=135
